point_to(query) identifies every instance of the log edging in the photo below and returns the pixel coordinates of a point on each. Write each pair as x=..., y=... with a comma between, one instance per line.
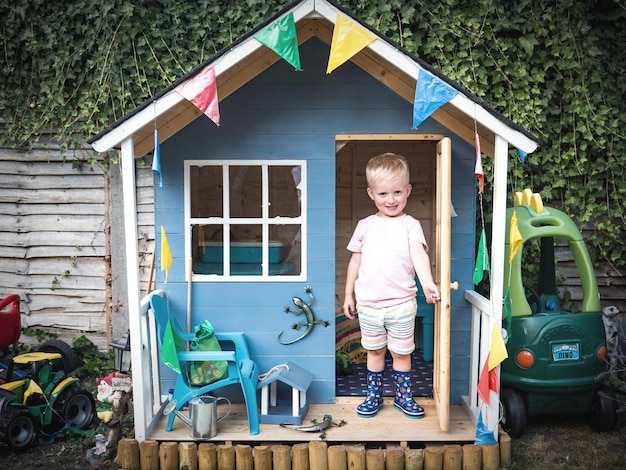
x=314, y=455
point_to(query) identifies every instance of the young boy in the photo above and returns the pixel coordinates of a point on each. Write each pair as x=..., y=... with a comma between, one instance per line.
x=388, y=249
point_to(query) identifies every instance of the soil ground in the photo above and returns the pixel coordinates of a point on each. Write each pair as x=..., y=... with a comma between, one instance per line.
x=567, y=442
x=559, y=442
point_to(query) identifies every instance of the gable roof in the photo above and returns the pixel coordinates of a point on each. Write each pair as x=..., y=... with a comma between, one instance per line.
x=246, y=58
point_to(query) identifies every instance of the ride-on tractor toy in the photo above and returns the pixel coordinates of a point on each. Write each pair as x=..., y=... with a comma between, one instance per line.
x=556, y=359
x=10, y=332
x=44, y=402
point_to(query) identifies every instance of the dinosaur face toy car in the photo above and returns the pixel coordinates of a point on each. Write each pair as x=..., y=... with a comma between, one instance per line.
x=557, y=360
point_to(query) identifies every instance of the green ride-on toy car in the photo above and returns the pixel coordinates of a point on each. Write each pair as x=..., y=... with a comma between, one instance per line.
x=46, y=400
x=557, y=360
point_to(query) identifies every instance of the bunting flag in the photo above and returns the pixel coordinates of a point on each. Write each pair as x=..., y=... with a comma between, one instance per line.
x=497, y=351
x=515, y=238
x=488, y=381
x=522, y=155
x=483, y=381
x=166, y=254
x=488, y=387
x=478, y=169
x=281, y=37
x=483, y=434
x=201, y=90
x=348, y=39
x=482, y=259
x=156, y=159
x=172, y=345
x=430, y=94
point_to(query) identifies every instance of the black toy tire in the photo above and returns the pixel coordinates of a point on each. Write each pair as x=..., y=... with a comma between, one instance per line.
x=69, y=360
x=18, y=428
x=603, y=412
x=514, y=416
x=76, y=407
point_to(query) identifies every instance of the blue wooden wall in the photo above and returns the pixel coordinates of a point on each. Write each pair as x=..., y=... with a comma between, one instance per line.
x=285, y=114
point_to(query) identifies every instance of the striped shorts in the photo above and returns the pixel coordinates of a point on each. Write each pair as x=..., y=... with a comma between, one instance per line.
x=393, y=327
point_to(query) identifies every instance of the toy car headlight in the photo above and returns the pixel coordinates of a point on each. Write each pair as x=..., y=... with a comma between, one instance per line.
x=601, y=354
x=525, y=359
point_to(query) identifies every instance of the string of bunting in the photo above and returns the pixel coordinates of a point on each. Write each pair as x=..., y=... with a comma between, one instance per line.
x=488, y=382
x=349, y=38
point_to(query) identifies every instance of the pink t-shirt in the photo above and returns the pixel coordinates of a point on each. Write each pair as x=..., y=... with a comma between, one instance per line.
x=386, y=275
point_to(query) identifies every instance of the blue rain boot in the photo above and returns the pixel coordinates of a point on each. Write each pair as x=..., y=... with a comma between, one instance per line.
x=404, y=399
x=374, y=400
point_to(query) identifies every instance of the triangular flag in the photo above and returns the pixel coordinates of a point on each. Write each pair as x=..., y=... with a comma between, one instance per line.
x=166, y=254
x=430, y=94
x=483, y=382
x=201, y=90
x=483, y=435
x=348, y=39
x=493, y=380
x=497, y=351
x=172, y=345
x=482, y=259
x=522, y=155
x=494, y=386
x=515, y=238
x=281, y=37
x=487, y=382
x=156, y=159
x=478, y=169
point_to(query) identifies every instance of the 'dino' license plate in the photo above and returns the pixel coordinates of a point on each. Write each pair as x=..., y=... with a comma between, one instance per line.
x=565, y=352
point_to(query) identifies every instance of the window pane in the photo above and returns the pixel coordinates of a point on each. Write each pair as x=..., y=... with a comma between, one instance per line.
x=284, y=191
x=287, y=237
x=246, y=253
x=245, y=233
x=245, y=191
x=206, y=191
x=207, y=249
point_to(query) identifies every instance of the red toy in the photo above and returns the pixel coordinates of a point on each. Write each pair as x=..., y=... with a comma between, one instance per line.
x=10, y=322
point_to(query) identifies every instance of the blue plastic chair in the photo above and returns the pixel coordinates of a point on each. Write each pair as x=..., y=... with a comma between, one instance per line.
x=241, y=369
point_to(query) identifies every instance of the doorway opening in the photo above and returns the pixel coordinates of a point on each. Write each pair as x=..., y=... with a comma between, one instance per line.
x=353, y=204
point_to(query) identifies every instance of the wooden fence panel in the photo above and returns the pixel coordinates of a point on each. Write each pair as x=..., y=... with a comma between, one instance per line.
x=55, y=245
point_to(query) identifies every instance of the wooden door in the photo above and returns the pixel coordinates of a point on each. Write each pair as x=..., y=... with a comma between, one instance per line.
x=441, y=259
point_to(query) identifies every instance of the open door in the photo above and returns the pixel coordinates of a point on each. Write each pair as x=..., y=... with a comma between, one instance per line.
x=441, y=259
x=429, y=157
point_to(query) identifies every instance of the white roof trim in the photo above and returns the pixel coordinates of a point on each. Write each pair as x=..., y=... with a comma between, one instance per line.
x=136, y=122
x=491, y=122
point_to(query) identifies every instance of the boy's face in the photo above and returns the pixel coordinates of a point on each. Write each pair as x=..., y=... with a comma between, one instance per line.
x=390, y=196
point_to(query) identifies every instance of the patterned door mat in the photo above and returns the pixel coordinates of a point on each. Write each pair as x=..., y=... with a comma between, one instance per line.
x=356, y=383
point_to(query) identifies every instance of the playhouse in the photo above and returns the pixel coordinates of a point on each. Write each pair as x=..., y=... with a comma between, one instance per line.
x=260, y=181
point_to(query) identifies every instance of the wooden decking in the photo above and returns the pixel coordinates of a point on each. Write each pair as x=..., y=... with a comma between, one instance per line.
x=388, y=426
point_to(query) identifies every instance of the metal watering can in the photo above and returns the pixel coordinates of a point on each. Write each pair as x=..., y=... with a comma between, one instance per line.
x=203, y=412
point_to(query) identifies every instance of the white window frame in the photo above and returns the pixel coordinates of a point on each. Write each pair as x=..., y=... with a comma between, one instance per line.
x=265, y=221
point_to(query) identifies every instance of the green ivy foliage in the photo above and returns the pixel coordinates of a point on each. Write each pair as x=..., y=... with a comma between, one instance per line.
x=74, y=67
x=554, y=67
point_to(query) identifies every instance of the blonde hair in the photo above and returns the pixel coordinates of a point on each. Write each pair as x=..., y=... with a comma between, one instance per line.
x=386, y=166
